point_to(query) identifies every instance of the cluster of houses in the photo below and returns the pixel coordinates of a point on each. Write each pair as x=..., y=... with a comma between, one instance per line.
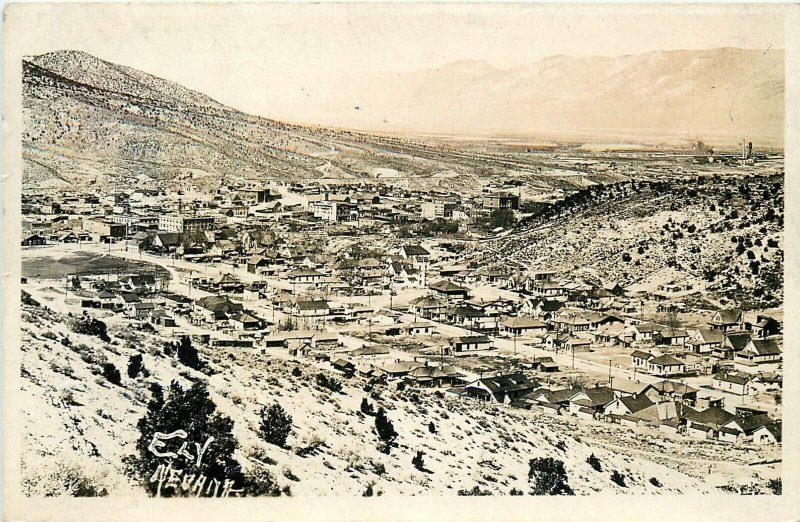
x=668, y=406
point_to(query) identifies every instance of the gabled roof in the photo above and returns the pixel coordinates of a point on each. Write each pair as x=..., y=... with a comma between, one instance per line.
x=641, y=355
x=315, y=304
x=169, y=238
x=727, y=317
x=672, y=388
x=523, y=322
x=711, y=336
x=446, y=286
x=735, y=378
x=666, y=360
x=508, y=383
x=219, y=304
x=714, y=417
x=415, y=250
x=750, y=423
x=599, y=396
x=550, y=306
x=765, y=347
x=636, y=403
x=738, y=341
x=469, y=339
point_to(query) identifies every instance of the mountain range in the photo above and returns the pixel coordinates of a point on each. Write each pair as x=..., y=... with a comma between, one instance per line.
x=90, y=121
x=723, y=94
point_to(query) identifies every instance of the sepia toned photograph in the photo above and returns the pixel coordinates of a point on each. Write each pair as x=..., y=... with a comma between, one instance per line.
x=295, y=251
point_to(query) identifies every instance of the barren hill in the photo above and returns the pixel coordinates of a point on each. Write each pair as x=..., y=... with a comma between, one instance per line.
x=91, y=122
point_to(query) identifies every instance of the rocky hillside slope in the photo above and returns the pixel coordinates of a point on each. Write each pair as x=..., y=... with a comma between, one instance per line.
x=80, y=426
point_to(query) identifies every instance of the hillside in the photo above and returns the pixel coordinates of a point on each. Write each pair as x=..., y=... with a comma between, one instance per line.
x=88, y=122
x=723, y=233
x=71, y=409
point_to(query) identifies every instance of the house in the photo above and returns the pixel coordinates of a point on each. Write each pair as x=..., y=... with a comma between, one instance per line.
x=418, y=255
x=305, y=276
x=737, y=383
x=245, y=321
x=399, y=369
x=768, y=434
x=659, y=412
x=434, y=377
x=642, y=332
x=671, y=337
x=710, y=418
x=764, y=327
x=627, y=405
x=732, y=344
x=160, y=317
x=34, y=240
x=592, y=399
x=705, y=341
x=139, y=310
x=216, y=307
x=145, y=282
x=428, y=307
x=545, y=364
x=665, y=365
x=166, y=241
x=559, y=397
x=470, y=343
x=640, y=358
x=748, y=424
x=446, y=289
x=310, y=308
x=671, y=390
x=759, y=355
x=344, y=366
x=503, y=389
x=420, y=328
x=727, y=320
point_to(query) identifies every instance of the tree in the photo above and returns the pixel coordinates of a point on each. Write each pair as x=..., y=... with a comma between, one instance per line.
x=111, y=373
x=135, y=365
x=366, y=407
x=187, y=354
x=594, y=462
x=193, y=413
x=418, y=461
x=548, y=477
x=385, y=430
x=432, y=427
x=276, y=425
x=501, y=217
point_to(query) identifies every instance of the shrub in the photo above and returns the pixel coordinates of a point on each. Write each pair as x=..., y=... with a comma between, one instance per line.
x=91, y=326
x=385, y=430
x=432, y=427
x=380, y=469
x=296, y=372
x=474, y=492
x=418, y=461
x=135, y=365
x=775, y=486
x=516, y=492
x=111, y=374
x=261, y=483
x=329, y=382
x=276, y=425
x=594, y=462
x=618, y=478
x=369, y=491
x=548, y=476
x=654, y=481
x=57, y=479
x=366, y=407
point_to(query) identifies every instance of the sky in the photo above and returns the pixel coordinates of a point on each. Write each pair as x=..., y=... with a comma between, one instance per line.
x=263, y=58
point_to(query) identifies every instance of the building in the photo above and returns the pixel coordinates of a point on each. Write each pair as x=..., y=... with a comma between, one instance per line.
x=760, y=355
x=183, y=224
x=735, y=383
x=501, y=200
x=334, y=211
x=664, y=365
x=470, y=343
x=440, y=210
x=503, y=389
x=105, y=228
x=253, y=196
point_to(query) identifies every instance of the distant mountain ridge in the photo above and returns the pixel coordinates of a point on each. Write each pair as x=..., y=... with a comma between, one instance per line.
x=726, y=93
